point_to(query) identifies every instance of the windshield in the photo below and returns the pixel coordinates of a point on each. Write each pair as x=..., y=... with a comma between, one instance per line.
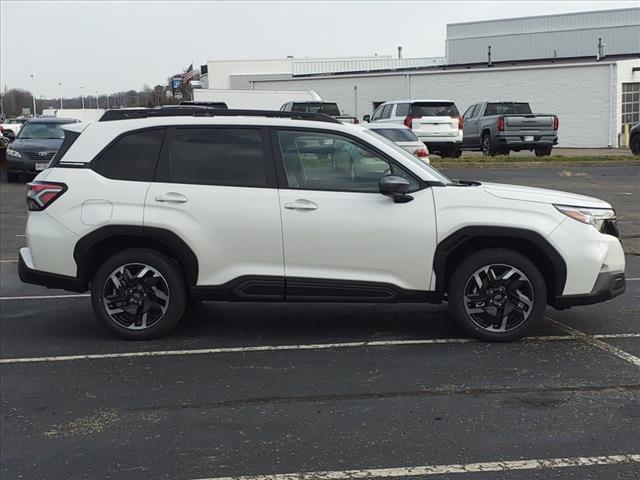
x=437, y=174
x=510, y=108
x=326, y=108
x=42, y=130
x=397, y=134
x=434, y=109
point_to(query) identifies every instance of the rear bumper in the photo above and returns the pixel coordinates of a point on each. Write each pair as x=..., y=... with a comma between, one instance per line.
x=519, y=141
x=28, y=274
x=608, y=285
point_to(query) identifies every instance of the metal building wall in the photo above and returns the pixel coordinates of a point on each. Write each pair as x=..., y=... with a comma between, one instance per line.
x=314, y=67
x=528, y=38
x=582, y=96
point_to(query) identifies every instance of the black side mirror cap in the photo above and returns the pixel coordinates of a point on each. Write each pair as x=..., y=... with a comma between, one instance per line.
x=396, y=188
x=366, y=118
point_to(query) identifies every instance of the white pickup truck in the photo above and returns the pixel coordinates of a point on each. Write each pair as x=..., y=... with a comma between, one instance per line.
x=12, y=126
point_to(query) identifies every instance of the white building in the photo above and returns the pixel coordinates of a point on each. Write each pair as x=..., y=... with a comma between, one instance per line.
x=584, y=67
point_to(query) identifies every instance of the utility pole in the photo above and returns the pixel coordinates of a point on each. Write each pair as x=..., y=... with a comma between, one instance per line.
x=82, y=96
x=33, y=94
x=60, y=85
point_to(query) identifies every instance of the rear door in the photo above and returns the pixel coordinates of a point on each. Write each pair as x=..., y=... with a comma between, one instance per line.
x=434, y=119
x=471, y=119
x=215, y=188
x=337, y=226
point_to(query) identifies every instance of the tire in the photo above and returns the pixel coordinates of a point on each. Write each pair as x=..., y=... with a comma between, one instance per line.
x=488, y=149
x=13, y=177
x=456, y=152
x=634, y=144
x=543, y=151
x=522, y=295
x=161, y=294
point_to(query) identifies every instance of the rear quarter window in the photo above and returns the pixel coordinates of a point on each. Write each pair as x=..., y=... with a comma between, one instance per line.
x=133, y=156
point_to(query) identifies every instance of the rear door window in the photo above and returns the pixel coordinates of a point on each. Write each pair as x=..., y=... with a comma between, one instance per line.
x=434, y=109
x=219, y=156
x=402, y=110
x=386, y=112
x=133, y=156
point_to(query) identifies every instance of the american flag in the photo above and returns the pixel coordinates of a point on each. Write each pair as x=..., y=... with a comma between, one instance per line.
x=188, y=75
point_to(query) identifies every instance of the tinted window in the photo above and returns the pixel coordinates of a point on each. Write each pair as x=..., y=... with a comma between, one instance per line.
x=219, y=156
x=132, y=157
x=320, y=107
x=402, y=110
x=507, y=109
x=470, y=113
x=434, y=109
x=397, y=134
x=386, y=112
x=325, y=161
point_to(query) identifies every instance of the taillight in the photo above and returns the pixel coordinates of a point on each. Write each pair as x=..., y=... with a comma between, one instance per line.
x=422, y=153
x=556, y=122
x=501, y=124
x=460, y=122
x=42, y=194
x=407, y=121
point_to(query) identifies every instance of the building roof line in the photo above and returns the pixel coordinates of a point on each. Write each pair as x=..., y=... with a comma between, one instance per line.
x=589, y=12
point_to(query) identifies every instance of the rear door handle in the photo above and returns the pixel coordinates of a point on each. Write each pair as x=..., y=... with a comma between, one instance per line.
x=172, y=197
x=301, y=204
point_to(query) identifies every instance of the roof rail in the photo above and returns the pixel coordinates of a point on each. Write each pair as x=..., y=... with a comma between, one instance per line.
x=203, y=111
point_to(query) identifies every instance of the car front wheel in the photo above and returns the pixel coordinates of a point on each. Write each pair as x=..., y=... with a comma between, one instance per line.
x=138, y=294
x=497, y=295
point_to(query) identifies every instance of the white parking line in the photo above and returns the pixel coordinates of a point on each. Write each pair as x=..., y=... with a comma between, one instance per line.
x=277, y=348
x=596, y=342
x=633, y=279
x=47, y=297
x=10, y=260
x=501, y=466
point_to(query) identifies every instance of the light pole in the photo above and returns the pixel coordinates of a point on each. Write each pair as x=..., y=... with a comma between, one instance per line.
x=82, y=95
x=60, y=85
x=33, y=93
x=97, y=101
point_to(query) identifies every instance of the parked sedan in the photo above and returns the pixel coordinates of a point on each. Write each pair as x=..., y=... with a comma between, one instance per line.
x=403, y=137
x=34, y=147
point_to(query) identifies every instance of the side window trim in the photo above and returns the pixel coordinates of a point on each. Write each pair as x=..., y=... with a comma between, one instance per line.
x=163, y=170
x=282, y=175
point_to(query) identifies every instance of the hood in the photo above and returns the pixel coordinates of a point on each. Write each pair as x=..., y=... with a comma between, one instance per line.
x=542, y=195
x=36, y=144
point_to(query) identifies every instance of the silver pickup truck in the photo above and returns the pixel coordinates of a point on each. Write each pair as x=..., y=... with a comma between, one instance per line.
x=496, y=128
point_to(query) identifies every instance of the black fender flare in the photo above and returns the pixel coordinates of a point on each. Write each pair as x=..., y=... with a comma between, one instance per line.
x=468, y=234
x=84, y=248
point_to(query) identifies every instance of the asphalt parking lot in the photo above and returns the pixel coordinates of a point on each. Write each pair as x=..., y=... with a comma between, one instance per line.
x=336, y=391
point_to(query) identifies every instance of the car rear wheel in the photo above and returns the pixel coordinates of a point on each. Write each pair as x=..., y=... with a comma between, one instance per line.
x=635, y=144
x=543, y=151
x=497, y=295
x=139, y=294
x=488, y=150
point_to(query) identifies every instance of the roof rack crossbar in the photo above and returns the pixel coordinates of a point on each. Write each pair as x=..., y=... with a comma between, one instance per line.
x=201, y=111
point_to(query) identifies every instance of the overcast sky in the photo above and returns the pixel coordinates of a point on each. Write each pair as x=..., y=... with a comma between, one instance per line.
x=112, y=46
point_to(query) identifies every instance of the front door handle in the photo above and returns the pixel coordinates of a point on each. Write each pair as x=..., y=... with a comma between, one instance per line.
x=172, y=197
x=301, y=204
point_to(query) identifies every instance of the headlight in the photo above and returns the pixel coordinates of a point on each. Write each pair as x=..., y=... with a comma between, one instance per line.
x=13, y=153
x=590, y=216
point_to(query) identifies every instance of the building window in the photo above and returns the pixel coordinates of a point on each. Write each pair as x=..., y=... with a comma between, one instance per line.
x=630, y=104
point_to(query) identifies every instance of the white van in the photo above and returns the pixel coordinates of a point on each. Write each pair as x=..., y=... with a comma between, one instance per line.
x=436, y=122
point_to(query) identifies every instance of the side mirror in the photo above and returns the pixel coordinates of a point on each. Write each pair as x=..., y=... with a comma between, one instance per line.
x=396, y=188
x=9, y=134
x=366, y=118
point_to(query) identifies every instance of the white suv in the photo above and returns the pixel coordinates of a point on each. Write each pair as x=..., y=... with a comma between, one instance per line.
x=437, y=123
x=149, y=209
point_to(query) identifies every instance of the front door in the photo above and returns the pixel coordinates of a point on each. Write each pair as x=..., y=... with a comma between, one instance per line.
x=216, y=189
x=341, y=236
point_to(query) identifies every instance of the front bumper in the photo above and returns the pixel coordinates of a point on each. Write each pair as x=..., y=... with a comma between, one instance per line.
x=28, y=274
x=608, y=285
